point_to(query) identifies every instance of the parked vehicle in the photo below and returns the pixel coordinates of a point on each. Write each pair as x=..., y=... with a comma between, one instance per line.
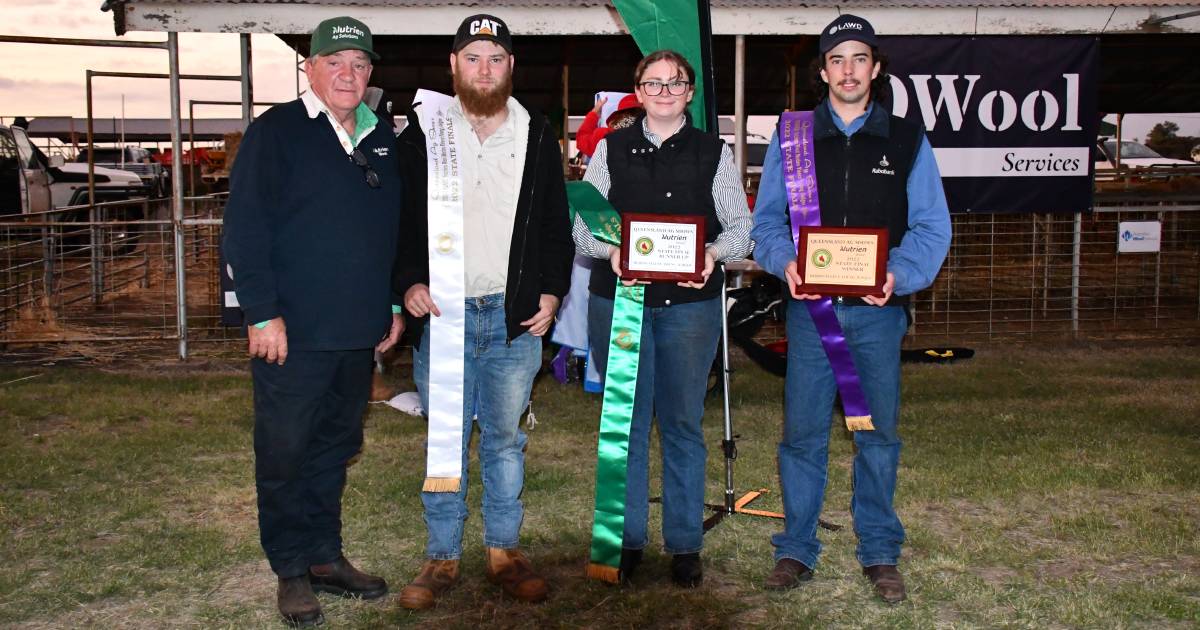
x=135, y=160
x=24, y=182
x=1134, y=155
x=31, y=182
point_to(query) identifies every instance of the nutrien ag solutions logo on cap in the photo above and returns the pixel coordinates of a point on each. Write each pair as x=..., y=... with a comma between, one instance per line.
x=347, y=32
x=821, y=258
x=644, y=246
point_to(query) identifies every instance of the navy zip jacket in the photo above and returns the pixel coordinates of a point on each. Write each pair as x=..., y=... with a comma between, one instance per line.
x=306, y=237
x=541, y=251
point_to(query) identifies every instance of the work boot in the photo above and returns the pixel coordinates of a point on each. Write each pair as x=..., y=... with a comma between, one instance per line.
x=630, y=559
x=342, y=579
x=297, y=603
x=435, y=578
x=686, y=570
x=888, y=582
x=787, y=574
x=512, y=571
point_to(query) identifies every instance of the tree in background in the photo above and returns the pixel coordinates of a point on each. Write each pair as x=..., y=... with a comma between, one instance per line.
x=1163, y=139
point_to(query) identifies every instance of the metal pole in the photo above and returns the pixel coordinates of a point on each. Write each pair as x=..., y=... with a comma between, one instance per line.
x=566, y=104
x=177, y=196
x=91, y=162
x=739, y=106
x=247, y=81
x=1075, y=251
x=727, y=444
x=191, y=148
x=1158, y=273
x=67, y=41
x=93, y=212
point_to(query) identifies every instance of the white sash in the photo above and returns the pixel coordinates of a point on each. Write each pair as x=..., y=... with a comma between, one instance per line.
x=443, y=457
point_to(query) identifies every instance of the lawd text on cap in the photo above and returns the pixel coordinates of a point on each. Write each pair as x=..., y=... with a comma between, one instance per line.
x=847, y=28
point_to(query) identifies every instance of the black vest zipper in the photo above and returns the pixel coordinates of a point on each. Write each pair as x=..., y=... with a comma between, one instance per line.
x=846, y=182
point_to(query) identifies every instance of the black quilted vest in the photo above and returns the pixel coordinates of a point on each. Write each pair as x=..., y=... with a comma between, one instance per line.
x=676, y=178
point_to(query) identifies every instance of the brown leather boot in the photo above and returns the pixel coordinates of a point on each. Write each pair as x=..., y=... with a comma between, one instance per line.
x=435, y=578
x=297, y=602
x=888, y=582
x=341, y=578
x=787, y=574
x=512, y=571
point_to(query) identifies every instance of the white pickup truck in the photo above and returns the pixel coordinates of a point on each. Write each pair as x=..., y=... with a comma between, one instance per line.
x=31, y=182
x=1136, y=157
x=134, y=159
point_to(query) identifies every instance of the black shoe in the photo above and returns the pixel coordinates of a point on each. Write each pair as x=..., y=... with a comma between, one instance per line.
x=787, y=574
x=686, y=570
x=630, y=559
x=297, y=604
x=341, y=578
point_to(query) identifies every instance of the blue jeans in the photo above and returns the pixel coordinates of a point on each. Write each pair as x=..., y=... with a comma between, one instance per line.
x=873, y=335
x=497, y=378
x=678, y=346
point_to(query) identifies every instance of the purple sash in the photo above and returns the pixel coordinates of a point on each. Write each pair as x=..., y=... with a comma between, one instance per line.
x=800, y=180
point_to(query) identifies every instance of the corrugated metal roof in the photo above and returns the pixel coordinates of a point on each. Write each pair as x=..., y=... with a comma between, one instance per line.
x=850, y=5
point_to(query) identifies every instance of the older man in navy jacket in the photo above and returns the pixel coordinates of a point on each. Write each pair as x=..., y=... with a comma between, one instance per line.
x=310, y=236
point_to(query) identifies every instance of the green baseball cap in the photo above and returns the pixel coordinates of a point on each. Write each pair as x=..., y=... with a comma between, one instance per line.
x=341, y=33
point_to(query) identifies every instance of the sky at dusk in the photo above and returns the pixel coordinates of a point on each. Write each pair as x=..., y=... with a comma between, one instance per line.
x=42, y=80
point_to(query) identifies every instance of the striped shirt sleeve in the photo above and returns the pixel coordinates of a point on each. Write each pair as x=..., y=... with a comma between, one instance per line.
x=596, y=175
x=733, y=243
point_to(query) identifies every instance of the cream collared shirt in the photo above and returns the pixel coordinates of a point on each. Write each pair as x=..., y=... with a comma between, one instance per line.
x=365, y=120
x=491, y=178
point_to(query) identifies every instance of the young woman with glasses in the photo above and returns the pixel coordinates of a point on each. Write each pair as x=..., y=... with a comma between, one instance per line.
x=662, y=164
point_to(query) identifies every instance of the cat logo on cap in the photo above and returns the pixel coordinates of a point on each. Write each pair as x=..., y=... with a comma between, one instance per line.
x=485, y=27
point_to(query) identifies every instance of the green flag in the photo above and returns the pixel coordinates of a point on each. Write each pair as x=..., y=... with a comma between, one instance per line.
x=673, y=24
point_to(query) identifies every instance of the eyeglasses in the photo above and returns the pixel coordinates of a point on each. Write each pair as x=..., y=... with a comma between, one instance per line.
x=360, y=160
x=674, y=88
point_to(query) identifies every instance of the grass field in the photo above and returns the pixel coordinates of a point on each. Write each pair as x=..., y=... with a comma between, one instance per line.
x=1039, y=488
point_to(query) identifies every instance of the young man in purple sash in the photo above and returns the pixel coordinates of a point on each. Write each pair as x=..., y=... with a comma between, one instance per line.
x=871, y=169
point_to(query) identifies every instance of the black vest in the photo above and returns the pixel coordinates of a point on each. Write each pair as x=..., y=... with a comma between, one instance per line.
x=862, y=180
x=676, y=178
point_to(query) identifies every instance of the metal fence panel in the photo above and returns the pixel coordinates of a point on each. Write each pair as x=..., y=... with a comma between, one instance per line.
x=1045, y=278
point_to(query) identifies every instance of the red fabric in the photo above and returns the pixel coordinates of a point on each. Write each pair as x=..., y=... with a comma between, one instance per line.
x=589, y=135
x=629, y=101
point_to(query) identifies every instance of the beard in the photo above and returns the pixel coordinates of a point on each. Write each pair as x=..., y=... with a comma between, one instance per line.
x=480, y=102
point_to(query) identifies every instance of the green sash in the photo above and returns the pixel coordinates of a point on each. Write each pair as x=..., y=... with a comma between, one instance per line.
x=620, y=383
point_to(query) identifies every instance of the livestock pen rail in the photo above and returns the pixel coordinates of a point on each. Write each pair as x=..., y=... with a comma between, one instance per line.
x=106, y=273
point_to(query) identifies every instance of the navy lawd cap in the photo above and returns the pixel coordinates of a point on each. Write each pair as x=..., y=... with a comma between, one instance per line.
x=847, y=28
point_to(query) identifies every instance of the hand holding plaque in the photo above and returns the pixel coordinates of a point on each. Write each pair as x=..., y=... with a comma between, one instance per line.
x=662, y=247
x=842, y=261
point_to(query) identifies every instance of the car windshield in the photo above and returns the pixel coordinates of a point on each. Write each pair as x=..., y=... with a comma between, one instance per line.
x=102, y=155
x=1131, y=150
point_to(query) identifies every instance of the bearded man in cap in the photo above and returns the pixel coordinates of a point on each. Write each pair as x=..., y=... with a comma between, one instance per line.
x=310, y=236
x=488, y=256
x=875, y=170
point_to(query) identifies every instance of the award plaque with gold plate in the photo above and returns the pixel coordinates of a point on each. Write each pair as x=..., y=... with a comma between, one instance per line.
x=843, y=261
x=662, y=247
